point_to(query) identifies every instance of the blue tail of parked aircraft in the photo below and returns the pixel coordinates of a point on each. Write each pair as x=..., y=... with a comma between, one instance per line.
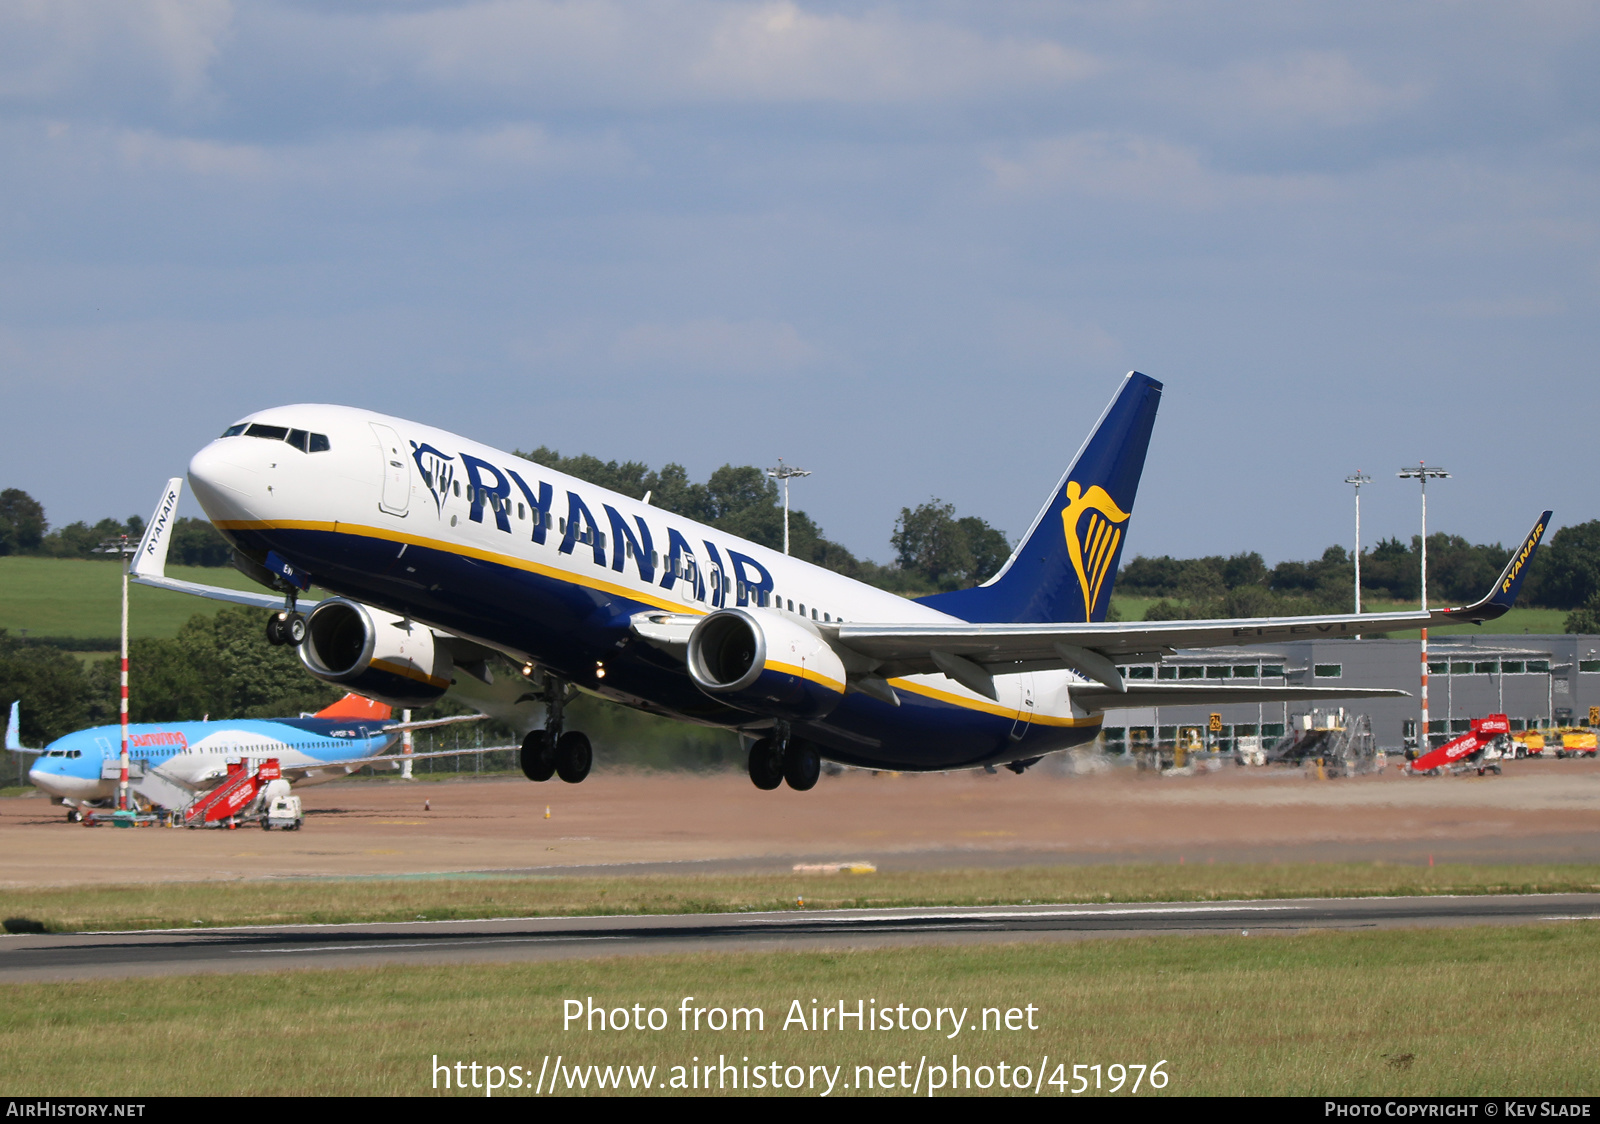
x=1065, y=565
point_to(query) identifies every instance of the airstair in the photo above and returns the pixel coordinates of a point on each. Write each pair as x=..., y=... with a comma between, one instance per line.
x=160, y=789
x=1343, y=747
x=238, y=790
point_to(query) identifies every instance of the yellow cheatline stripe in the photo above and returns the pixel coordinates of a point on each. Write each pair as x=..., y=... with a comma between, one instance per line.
x=991, y=708
x=417, y=674
x=386, y=535
x=805, y=673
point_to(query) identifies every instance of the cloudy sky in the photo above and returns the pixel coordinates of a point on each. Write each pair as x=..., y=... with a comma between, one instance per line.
x=911, y=247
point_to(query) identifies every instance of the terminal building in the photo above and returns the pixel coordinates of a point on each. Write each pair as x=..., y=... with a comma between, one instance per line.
x=1537, y=681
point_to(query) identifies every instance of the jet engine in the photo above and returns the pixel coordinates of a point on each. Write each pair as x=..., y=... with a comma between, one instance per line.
x=377, y=654
x=765, y=663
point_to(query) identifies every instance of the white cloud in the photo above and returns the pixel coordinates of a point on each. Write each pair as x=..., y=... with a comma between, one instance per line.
x=1125, y=166
x=707, y=51
x=53, y=50
x=381, y=161
x=1306, y=88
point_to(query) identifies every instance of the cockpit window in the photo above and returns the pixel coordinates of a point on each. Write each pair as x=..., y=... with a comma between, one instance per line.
x=299, y=438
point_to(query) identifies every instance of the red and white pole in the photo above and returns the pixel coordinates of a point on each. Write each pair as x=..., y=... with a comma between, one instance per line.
x=406, y=747
x=122, y=781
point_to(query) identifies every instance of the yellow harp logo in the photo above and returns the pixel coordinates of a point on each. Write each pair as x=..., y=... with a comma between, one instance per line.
x=1093, y=525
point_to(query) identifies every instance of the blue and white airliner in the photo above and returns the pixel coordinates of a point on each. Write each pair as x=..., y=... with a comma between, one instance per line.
x=171, y=762
x=441, y=552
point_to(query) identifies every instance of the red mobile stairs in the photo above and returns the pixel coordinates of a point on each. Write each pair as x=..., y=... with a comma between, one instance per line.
x=1452, y=753
x=238, y=790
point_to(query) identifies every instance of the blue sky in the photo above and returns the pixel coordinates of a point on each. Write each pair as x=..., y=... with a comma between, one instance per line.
x=911, y=247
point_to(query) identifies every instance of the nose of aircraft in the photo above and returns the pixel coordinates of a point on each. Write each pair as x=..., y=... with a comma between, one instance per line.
x=225, y=482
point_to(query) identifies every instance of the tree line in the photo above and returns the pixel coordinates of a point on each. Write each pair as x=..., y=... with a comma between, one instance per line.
x=24, y=530
x=934, y=549
x=1565, y=574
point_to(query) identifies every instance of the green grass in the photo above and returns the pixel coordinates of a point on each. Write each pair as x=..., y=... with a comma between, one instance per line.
x=80, y=598
x=442, y=897
x=1462, y=1012
x=1132, y=608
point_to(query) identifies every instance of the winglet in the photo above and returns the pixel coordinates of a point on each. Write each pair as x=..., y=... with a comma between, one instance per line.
x=13, y=740
x=151, y=560
x=1509, y=583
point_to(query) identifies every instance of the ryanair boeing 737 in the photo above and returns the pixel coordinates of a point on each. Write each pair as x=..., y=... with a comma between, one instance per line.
x=442, y=552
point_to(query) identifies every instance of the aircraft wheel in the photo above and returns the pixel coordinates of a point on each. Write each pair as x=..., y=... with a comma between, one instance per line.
x=766, y=764
x=74, y=816
x=801, y=766
x=294, y=629
x=265, y=826
x=275, y=629
x=538, y=756
x=574, y=756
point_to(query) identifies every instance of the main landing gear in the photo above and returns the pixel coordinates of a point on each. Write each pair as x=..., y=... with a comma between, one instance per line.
x=551, y=751
x=779, y=760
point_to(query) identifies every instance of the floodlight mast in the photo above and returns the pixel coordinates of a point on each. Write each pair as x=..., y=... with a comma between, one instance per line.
x=786, y=473
x=121, y=545
x=1421, y=474
x=1358, y=479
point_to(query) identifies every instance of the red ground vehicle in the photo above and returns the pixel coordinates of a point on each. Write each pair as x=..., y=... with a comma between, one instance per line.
x=242, y=785
x=1465, y=750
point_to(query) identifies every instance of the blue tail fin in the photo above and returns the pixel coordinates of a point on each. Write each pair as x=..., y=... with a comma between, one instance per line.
x=1063, y=569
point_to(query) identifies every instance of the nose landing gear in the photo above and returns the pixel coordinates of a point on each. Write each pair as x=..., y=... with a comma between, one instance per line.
x=286, y=627
x=288, y=624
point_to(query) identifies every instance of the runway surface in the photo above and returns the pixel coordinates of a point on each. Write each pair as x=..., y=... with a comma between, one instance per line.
x=259, y=949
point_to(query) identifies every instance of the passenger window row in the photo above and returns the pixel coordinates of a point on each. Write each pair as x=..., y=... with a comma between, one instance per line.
x=305, y=441
x=780, y=603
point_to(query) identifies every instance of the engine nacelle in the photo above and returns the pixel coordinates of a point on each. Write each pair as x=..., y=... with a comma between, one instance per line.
x=375, y=653
x=766, y=664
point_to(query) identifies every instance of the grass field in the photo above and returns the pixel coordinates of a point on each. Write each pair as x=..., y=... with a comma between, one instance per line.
x=442, y=897
x=78, y=598
x=1494, y=1011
